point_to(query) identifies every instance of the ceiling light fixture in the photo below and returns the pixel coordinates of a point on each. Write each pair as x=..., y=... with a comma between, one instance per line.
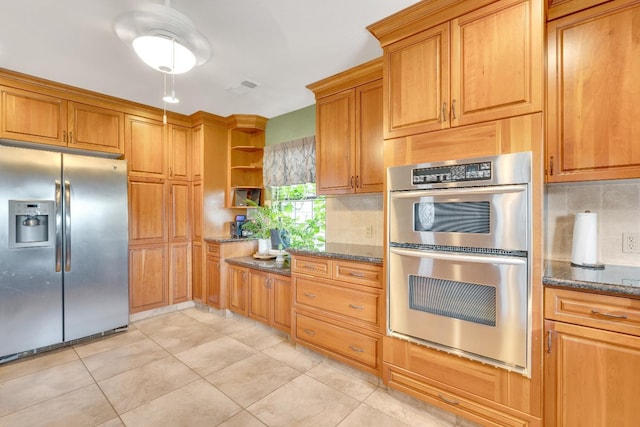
x=164, y=53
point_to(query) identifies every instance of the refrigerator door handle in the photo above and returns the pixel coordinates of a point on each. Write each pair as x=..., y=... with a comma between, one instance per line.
x=67, y=229
x=58, y=226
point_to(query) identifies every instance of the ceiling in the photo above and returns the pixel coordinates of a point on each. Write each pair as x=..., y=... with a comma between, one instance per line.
x=283, y=45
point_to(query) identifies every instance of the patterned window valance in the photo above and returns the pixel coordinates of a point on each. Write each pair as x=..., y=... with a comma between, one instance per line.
x=290, y=163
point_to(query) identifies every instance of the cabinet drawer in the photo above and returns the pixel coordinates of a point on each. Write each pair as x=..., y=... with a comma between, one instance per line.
x=213, y=250
x=318, y=267
x=407, y=382
x=352, y=345
x=617, y=314
x=355, y=272
x=348, y=302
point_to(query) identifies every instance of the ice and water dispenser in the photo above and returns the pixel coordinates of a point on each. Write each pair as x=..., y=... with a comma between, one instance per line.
x=31, y=223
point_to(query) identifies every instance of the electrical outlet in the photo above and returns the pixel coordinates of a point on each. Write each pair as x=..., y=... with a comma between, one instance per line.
x=369, y=230
x=631, y=243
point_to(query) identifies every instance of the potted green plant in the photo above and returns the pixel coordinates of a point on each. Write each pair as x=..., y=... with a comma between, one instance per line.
x=261, y=224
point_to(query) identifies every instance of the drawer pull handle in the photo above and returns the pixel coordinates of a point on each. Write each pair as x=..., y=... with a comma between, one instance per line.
x=309, y=267
x=613, y=316
x=309, y=295
x=356, y=307
x=356, y=274
x=449, y=401
x=309, y=332
x=356, y=349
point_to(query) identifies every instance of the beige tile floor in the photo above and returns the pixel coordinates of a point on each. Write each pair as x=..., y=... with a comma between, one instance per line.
x=198, y=368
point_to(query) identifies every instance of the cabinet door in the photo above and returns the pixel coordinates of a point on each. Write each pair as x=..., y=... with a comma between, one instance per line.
x=197, y=209
x=259, y=283
x=496, y=62
x=28, y=116
x=335, y=143
x=416, y=91
x=593, y=108
x=147, y=218
x=196, y=272
x=238, y=291
x=213, y=282
x=591, y=377
x=197, y=151
x=179, y=210
x=180, y=152
x=369, y=139
x=147, y=277
x=281, y=302
x=95, y=128
x=145, y=147
x=180, y=272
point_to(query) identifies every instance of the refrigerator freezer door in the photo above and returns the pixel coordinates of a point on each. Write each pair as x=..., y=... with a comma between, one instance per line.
x=96, y=290
x=30, y=287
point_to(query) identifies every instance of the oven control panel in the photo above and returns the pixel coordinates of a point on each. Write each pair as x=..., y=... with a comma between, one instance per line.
x=480, y=171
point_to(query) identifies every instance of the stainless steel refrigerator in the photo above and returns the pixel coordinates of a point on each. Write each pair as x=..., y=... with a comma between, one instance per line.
x=63, y=248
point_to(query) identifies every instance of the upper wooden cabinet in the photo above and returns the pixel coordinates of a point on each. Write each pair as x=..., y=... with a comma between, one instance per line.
x=145, y=147
x=33, y=117
x=458, y=68
x=593, y=64
x=349, y=131
x=180, y=152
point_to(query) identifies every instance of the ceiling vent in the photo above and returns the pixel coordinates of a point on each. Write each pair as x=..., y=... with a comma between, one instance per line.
x=243, y=87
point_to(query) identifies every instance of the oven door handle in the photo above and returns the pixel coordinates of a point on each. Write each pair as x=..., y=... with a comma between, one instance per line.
x=449, y=256
x=465, y=191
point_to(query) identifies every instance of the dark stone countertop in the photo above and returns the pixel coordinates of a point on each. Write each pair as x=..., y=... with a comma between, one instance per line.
x=613, y=279
x=225, y=239
x=349, y=252
x=260, y=264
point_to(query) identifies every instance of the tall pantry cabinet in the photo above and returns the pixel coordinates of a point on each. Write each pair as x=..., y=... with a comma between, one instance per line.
x=158, y=157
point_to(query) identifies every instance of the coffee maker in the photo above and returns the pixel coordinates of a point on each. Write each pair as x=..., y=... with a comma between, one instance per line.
x=236, y=226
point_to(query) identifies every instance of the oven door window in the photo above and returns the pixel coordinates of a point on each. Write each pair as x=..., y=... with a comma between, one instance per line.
x=449, y=298
x=453, y=217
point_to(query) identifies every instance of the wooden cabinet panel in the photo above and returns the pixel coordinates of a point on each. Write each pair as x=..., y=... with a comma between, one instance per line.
x=238, y=290
x=179, y=152
x=369, y=139
x=497, y=62
x=358, y=272
x=213, y=282
x=95, y=128
x=259, y=301
x=145, y=147
x=318, y=267
x=197, y=210
x=592, y=94
x=180, y=272
x=30, y=116
x=147, y=277
x=197, y=283
x=335, y=150
x=281, y=302
x=417, y=83
x=591, y=377
x=179, y=211
x=147, y=220
x=197, y=151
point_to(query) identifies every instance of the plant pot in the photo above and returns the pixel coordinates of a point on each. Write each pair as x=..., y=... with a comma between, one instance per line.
x=263, y=246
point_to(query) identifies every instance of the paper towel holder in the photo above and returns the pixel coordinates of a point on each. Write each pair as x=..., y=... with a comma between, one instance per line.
x=591, y=266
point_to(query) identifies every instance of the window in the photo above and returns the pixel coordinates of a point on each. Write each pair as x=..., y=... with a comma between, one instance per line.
x=305, y=212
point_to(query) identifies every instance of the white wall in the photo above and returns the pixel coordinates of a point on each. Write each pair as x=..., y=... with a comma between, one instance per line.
x=617, y=204
x=349, y=216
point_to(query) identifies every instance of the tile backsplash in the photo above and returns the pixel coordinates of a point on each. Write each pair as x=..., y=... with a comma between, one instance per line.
x=617, y=204
x=349, y=219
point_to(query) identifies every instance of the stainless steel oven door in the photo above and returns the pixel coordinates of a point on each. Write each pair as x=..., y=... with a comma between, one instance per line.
x=469, y=304
x=479, y=217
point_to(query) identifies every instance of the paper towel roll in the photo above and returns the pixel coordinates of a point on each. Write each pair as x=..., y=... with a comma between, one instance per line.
x=585, y=239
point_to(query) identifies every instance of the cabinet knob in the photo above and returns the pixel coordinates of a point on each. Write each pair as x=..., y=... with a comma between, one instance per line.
x=453, y=110
x=309, y=332
x=611, y=316
x=443, y=113
x=356, y=349
x=356, y=307
x=309, y=295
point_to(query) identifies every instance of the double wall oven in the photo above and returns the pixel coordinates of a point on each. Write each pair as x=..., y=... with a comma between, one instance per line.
x=459, y=236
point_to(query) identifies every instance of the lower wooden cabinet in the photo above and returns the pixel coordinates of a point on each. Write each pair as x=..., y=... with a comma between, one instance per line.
x=238, y=289
x=270, y=299
x=147, y=277
x=338, y=309
x=180, y=272
x=197, y=292
x=217, y=291
x=591, y=360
